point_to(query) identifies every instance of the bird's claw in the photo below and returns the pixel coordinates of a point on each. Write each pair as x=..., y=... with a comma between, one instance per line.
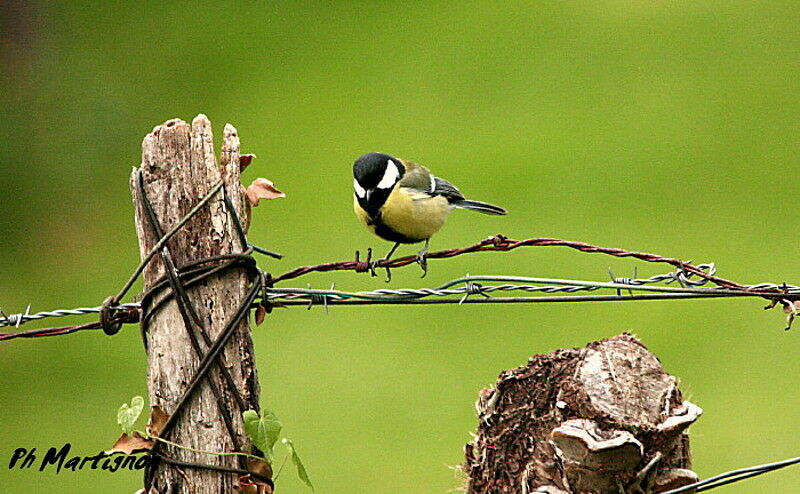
x=371, y=265
x=376, y=264
x=422, y=260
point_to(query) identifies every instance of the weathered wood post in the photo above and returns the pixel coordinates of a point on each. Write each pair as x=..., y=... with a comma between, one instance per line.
x=178, y=169
x=605, y=419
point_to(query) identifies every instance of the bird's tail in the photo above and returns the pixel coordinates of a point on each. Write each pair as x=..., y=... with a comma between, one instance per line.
x=483, y=207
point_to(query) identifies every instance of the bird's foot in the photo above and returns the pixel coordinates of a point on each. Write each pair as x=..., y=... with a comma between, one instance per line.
x=376, y=264
x=422, y=260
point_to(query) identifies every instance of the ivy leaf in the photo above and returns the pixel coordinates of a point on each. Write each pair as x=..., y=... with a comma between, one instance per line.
x=263, y=430
x=298, y=463
x=127, y=414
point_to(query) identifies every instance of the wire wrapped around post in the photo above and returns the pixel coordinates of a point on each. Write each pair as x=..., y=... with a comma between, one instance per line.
x=194, y=313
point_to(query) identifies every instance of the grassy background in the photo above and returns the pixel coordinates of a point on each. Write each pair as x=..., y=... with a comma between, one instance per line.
x=668, y=127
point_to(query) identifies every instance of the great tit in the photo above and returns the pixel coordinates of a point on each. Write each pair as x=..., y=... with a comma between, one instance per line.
x=404, y=203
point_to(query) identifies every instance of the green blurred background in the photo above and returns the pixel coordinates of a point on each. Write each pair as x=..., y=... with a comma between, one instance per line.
x=668, y=127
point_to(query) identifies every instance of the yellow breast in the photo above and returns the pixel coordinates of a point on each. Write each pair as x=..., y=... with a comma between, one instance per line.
x=412, y=214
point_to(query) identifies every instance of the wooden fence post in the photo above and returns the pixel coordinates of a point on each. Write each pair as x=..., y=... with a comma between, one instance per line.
x=603, y=419
x=179, y=168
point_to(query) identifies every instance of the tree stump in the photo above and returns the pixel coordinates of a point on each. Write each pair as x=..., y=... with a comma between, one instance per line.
x=602, y=419
x=179, y=168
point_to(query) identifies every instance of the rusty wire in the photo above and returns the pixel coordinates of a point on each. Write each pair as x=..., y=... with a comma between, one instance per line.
x=124, y=317
x=130, y=313
x=776, y=293
x=502, y=243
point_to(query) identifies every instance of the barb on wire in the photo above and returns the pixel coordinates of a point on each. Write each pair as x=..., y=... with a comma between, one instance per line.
x=733, y=476
x=472, y=288
x=519, y=283
x=503, y=243
x=692, y=278
x=123, y=317
x=19, y=319
x=463, y=288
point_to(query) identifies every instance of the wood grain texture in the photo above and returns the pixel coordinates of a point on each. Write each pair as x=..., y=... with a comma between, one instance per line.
x=605, y=418
x=179, y=167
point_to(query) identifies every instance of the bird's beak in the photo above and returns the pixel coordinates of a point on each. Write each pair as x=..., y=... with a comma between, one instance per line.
x=368, y=195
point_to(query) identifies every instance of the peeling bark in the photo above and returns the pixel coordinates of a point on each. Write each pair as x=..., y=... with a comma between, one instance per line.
x=602, y=419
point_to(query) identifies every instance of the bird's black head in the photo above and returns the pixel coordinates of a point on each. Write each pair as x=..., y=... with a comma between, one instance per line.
x=374, y=177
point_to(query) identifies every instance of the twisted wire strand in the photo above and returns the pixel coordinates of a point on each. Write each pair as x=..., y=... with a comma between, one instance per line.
x=418, y=293
x=471, y=287
x=502, y=243
x=18, y=319
x=683, y=275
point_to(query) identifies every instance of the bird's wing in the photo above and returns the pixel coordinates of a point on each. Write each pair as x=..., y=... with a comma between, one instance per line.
x=444, y=188
x=419, y=178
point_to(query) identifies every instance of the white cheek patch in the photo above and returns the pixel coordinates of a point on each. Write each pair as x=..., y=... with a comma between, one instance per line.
x=360, y=192
x=433, y=183
x=389, y=176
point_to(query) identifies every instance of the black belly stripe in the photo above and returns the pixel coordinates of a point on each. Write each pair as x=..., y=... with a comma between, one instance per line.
x=382, y=230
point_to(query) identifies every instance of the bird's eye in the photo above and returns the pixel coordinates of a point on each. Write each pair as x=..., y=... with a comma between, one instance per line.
x=389, y=176
x=360, y=192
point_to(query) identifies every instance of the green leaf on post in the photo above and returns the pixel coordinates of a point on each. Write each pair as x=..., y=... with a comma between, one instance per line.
x=263, y=430
x=128, y=414
x=298, y=463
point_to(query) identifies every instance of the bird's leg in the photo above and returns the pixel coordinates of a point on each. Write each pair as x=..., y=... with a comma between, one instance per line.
x=375, y=264
x=422, y=260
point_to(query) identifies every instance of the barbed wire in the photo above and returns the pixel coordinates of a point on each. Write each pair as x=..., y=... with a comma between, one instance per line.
x=705, y=273
x=122, y=317
x=472, y=287
x=690, y=288
x=691, y=279
x=18, y=319
x=501, y=243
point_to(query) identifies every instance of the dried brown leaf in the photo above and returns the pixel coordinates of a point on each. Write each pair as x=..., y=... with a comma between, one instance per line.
x=130, y=444
x=259, y=467
x=261, y=313
x=250, y=484
x=247, y=208
x=244, y=161
x=791, y=308
x=157, y=421
x=246, y=486
x=261, y=188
